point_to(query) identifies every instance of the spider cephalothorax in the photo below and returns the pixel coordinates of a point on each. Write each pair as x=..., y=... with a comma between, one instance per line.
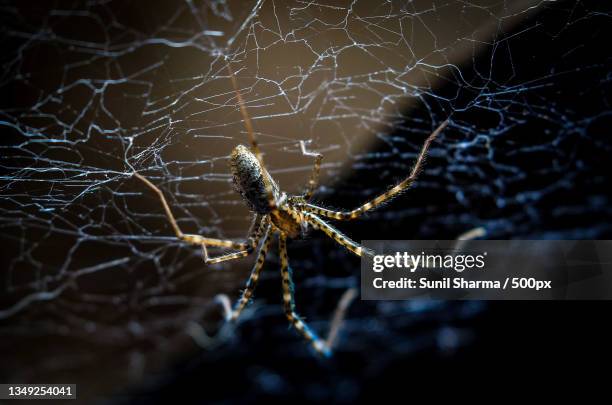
x=287, y=216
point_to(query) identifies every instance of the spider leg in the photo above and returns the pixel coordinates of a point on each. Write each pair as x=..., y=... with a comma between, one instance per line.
x=313, y=182
x=339, y=314
x=254, y=277
x=336, y=235
x=252, y=139
x=289, y=302
x=393, y=192
x=252, y=242
x=223, y=258
x=244, y=248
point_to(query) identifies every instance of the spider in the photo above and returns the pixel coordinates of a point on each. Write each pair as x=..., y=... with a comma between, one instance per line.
x=275, y=212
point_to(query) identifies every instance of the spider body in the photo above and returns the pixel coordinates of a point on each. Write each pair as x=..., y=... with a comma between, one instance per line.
x=288, y=217
x=248, y=178
x=289, y=221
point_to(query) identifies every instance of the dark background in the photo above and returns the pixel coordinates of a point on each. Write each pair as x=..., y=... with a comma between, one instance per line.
x=538, y=119
x=512, y=345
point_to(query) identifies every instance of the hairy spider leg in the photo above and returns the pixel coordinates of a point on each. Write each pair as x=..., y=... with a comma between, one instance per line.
x=252, y=139
x=393, y=192
x=254, y=277
x=289, y=302
x=253, y=240
x=244, y=248
x=313, y=182
x=336, y=235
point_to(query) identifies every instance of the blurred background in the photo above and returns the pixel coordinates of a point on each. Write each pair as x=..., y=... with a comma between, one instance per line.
x=96, y=291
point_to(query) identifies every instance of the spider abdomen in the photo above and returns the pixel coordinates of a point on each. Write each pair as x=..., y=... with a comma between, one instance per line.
x=248, y=179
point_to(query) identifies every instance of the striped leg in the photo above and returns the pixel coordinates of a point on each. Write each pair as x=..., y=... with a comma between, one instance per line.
x=336, y=235
x=244, y=248
x=313, y=182
x=393, y=192
x=289, y=302
x=254, y=277
x=255, y=233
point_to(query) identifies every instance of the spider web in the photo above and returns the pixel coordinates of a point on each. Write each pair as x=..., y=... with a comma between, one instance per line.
x=100, y=90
